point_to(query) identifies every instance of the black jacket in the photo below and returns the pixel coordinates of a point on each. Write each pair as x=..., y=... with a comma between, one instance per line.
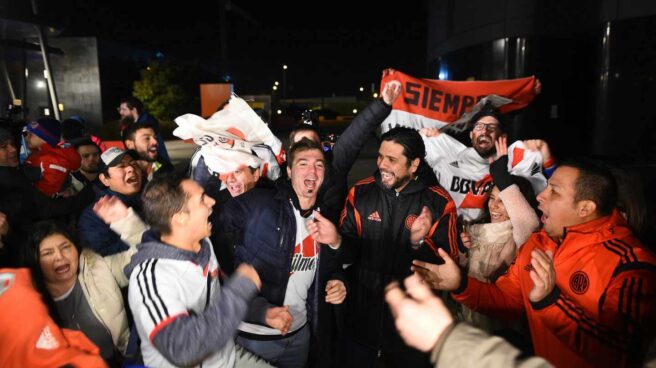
x=94, y=233
x=266, y=220
x=375, y=226
x=23, y=204
x=225, y=240
x=343, y=156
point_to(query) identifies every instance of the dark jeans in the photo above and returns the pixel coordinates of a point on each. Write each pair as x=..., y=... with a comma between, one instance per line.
x=358, y=355
x=288, y=352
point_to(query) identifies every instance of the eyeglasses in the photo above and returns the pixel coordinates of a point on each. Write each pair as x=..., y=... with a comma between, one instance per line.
x=488, y=127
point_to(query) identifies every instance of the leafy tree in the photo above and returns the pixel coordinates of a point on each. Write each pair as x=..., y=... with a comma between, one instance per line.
x=162, y=91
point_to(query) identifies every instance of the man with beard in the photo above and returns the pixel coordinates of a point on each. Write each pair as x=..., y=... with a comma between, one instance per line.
x=88, y=172
x=123, y=180
x=398, y=215
x=131, y=110
x=141, y=138
x=465, y=171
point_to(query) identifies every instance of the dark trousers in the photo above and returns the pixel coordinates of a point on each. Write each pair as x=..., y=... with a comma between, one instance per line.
x=358, y=355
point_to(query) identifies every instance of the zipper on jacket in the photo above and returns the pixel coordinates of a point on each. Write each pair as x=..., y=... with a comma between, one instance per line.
x=93, y=309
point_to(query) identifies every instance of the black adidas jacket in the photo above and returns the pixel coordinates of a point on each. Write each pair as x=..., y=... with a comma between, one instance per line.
x=375, y=226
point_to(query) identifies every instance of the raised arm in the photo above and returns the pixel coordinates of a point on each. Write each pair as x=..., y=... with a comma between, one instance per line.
x=350, y=143
x=522, y=216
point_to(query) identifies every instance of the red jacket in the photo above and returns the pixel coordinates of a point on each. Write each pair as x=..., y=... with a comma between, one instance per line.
x=28, y=337
x=602, y=310
x=55, y=164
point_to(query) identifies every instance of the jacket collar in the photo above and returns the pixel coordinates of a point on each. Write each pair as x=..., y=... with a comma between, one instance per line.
x=286, y=192
x=592, y=232
x=133, y=201
x=153, y=248
x=418, y=184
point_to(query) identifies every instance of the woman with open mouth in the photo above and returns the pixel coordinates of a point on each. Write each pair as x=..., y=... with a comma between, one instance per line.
x=81, y=288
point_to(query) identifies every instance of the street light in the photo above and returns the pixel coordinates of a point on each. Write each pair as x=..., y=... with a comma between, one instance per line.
x=284, y=81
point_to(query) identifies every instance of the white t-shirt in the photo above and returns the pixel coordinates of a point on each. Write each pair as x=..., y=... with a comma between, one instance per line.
x=301, y=276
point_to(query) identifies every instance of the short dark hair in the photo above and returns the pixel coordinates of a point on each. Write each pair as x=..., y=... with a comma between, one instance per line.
x=413, y=145
x=302, y=145
x=488, y=110
x=133, y=103
x=85, y=142
x=131, y=130
x=302, y=128
x=595, y=183
x=163, y=198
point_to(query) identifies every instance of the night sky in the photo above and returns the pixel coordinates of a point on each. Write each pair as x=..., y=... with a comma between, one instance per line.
x=332, y=48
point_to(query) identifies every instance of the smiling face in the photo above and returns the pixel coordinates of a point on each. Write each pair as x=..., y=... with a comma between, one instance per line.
x=497, y=209
x=307, y=173
x=396, y=170
x=240, y=181
x=557, y=202
x=145, y=143
x=58, y=259
x=123, y=178
x=483, y=135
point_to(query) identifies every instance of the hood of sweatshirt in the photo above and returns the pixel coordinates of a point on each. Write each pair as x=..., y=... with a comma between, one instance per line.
x=153, y=248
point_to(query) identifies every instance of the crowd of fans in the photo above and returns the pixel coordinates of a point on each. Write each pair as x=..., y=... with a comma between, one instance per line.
x=258, y=257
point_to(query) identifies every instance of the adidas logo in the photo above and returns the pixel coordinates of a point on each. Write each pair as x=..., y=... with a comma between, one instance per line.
x=374, y=217
x=535, y=169
x=455, y=164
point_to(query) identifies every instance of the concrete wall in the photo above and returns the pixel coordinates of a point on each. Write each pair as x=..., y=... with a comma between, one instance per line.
x=77, y=79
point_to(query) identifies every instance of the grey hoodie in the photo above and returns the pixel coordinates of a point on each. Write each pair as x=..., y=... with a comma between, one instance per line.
x=182, y=314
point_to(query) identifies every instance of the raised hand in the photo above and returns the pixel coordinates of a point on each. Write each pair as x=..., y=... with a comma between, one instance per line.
x=110, y=209
x=335, y=292
x=280, y=319
x=391, y=91
x=441, y=277
x=420, y=316
x=539, y=145
x=421, y=226
x=543, y=275
x=388, y=71
x=501, y=146
x=429, y=132
x=323, y=231
x=537, y=87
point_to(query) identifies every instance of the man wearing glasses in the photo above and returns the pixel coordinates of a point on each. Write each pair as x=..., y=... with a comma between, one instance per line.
x=465, y=171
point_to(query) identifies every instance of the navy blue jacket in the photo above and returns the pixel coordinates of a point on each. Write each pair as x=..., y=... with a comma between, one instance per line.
x=94, y=233
x=265, y=219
